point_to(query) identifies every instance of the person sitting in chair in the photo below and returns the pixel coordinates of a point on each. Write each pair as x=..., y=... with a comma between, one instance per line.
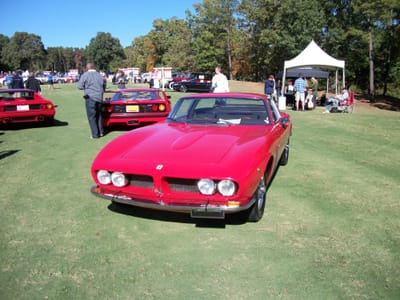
x=336, y=101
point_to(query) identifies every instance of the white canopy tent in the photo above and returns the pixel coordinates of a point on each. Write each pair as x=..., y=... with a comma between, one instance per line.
x=314, y=56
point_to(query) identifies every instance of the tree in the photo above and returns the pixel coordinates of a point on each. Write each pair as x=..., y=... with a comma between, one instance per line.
x=212, y=27
x=177, y=37
x=105, y=50
x=79, y=60
x=69, y=58
x=4, y=40
x=378, y=22
x=136, y=54
x=25, y=51
x=55, y=59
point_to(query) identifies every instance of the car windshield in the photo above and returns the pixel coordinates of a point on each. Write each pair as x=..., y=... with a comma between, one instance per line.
x=136, y=95
x=220, y=110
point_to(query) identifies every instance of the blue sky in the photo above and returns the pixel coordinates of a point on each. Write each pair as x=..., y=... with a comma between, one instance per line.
x=72, y=23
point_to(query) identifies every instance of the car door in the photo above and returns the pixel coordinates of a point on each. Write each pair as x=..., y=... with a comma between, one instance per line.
x=279, y=132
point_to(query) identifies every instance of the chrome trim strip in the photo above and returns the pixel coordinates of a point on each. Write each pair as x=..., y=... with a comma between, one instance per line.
x=177, y=208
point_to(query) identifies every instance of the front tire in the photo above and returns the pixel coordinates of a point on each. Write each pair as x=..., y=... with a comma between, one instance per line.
x=285, y=155
x=256, y=211
x=183, y=89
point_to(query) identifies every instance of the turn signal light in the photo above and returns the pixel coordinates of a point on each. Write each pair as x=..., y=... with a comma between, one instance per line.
x=233, y=203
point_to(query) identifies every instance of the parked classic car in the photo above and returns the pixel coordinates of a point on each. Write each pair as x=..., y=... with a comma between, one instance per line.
x=24, y=106
x=135, y=106
x=199, y=82
x=179, y=76
x=71, y=78
x=42, y=78
x=59, y=79
x=215, y=154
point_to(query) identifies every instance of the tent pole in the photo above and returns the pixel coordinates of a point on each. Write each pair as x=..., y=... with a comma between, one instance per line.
x=283, y=81
x=327, y=86
x=336, y=83
x=344, y=83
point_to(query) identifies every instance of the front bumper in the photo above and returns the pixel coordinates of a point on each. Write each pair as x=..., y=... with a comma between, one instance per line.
x=205, y=211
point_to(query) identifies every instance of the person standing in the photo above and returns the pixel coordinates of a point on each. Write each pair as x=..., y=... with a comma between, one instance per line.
x=269, y=86
x=314, y=88
x=92, y=83
x=33, y=84
x=17, y=81
x=219, y=83
x=9, y=79
x=121, y=80
x=300, y=85
x=50, y=81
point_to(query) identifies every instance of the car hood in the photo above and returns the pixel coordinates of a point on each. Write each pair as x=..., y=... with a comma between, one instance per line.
x=184, y=146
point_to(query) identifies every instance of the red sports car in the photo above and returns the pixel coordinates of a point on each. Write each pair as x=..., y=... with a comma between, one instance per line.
x=215, y=154
x=24, y=106
x=135, y=106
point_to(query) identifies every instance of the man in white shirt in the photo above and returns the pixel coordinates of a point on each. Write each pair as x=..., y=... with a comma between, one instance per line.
x=219, y=82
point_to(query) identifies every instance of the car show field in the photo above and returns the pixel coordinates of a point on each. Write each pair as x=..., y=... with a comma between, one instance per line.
x=330, y=229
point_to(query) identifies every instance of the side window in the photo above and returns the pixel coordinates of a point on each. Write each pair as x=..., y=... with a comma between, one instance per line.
x=275, y=111
x=182, y=109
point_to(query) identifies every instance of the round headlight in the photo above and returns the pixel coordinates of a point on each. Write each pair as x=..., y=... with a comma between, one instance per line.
x=118, y=179
x=226, y=187
x=206, y=186
x=104, y=177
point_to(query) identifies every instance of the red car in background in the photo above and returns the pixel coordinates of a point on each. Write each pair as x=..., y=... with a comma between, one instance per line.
x=216, y=154
x=24, y=106
x=135, y=107
x=71, y=78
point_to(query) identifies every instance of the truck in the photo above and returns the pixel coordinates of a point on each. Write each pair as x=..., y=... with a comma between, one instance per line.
x=163, y=75
x=132, y=74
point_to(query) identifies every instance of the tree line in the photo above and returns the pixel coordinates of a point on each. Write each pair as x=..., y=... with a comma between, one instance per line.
x=249, y=39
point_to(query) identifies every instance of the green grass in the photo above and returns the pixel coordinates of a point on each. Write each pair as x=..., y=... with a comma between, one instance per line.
x=331, y=229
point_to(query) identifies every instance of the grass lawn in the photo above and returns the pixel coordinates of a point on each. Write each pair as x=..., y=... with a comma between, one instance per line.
x=331, y=229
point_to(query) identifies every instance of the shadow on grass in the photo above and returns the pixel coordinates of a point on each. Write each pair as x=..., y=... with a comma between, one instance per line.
x=166, y=216
x=19, y=126
x=6, y=153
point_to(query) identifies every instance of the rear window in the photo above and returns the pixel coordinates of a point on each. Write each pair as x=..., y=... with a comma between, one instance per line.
x=13, y=95
x=142, y=95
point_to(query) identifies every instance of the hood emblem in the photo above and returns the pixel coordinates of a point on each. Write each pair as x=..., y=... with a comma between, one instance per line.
x=159, y=167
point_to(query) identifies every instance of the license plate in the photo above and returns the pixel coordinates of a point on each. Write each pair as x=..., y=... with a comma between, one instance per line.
x=22, y=107
x=132, y=108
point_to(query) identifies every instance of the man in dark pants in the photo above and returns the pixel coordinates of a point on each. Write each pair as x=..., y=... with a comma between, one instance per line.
x=92, y=83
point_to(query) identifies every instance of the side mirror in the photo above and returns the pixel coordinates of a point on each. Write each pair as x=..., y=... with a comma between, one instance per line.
x=285, y=122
